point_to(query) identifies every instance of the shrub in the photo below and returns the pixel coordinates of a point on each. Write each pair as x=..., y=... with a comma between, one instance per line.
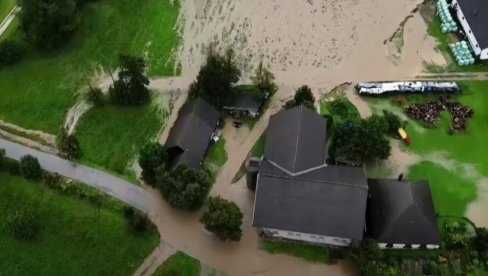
x=151, y=156
x=30, y=168
x=223, y=218
x=394, y=122
x=24, y=225
x=12, y=166
x=183, y=187
x=94, y=96
x=11, y=52
x=68, y=144
x=138, y=222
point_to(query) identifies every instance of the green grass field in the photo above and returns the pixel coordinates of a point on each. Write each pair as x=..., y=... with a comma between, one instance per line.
x=179, y=264
x=453, y=185
x=451, y=192
x=443, y=46
x=37, y=92
x=216, y=153
x=310, y=253
x=76, y=238
x=6, y=7
x=110, y=137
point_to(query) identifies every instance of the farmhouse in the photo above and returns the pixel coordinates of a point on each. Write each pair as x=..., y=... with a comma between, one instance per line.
x=473, y=16
x=401, y=214
x=300, y=197
x=192, y=133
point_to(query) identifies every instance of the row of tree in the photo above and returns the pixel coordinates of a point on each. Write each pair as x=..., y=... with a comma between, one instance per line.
x=187, y=189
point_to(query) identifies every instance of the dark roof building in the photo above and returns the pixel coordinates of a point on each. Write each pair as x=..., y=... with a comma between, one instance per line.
x=402, y=213
x=298, y=195
x=473, y=15
x=192, y=132
x=244, y=105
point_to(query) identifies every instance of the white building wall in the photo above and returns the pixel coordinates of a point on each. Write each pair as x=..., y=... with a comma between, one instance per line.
x=482, y=53
x=304, y=237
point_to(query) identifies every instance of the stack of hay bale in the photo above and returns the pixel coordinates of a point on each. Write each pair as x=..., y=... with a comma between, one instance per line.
x=447, y=22
x=462, y=53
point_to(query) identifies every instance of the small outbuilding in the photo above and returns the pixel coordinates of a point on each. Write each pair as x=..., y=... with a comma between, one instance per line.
x=401, y=214
x=244, y=105
x=192, y=133
x=473, y=16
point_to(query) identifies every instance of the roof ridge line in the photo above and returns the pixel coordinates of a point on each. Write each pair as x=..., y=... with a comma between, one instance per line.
x=312, y=180
x=298, y=138
x=422, y=215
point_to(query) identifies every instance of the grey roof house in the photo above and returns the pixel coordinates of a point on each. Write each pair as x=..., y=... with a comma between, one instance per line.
x=473, y=16
x=192, y=133
x=401, y=214
x=298, y=195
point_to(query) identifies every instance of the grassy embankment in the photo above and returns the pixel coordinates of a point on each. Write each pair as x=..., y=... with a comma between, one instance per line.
x=76, y=237
x=37, y=92
x=6, y=7
x=310, y=253
x=443, y=41
x=179, y=264
x=110, y=137
x=449, y=158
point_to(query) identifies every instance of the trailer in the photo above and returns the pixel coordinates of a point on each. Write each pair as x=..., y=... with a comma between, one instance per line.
x=416, y=87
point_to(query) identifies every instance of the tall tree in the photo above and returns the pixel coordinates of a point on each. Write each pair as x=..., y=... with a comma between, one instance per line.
x=48, y=23
x=184, y=187
x=263, y=79
x=216, y=79
x=223, y=218
x=131, y=86
x=303, y=96
x=68, y=144
x=151, y=156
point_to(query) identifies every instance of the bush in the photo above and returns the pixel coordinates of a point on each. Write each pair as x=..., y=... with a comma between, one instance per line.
x=138, y=222
x=183, y=187
x=68, y=144
x=394, y=122
x=223, y=218
x=151, y=157
x=30, y=168
x=11, y=52
x=94, y=96
x=24, y=225
x=12, y=166
x=52, y=180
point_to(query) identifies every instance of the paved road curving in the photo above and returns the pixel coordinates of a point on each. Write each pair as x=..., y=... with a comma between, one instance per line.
x=102, y=181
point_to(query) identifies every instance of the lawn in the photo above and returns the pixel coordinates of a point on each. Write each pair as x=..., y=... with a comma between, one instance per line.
x=6, y=7
x=443, y=41
x=179, y=264
x=76, y=238
x=310, y=253
x=451, y=192
x=258, y=148
x=110, y=137
x=216, y=153
x=452, y=181
x=348, y=112
x=37, y=92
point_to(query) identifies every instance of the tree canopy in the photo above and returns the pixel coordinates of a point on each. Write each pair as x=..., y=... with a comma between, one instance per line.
x=68, y=144
x=151, y=156
x=184, y=187
x=361, y=141
x=11, y=51
x=303, y=96
x=223, y=218
x=263, y=79
x=216, y=79
x=30, y=167
x=394, y=122
x=131, y=86
x=48, y=24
